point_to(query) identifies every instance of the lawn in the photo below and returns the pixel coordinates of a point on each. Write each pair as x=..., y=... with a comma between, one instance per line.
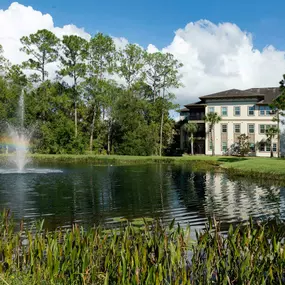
x=239, y=164
x=245, y=164
x=255, y=164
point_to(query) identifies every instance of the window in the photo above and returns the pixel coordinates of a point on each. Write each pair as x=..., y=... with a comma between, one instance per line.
x=237, y=110
x=252, y=147
x=237, y=128
x=224, y=111
x=224, y=146
x=251, y=128
x=211, y=109
x=262, y=129
x=267, y=127
x=224, y=128
x=264, y=111
x=251, y=110
x=210, y=145
x=274, y=147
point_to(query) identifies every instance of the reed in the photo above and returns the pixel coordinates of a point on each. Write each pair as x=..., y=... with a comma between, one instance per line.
x=148, y=254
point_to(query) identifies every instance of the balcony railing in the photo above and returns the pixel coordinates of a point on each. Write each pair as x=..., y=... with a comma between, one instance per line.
x=196, y=117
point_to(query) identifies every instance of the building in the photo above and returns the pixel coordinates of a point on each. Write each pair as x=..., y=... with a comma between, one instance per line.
x=242, y=112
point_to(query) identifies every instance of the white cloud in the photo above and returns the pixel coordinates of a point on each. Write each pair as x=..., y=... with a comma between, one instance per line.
x=219, y=57
x=215, y=57
x=120, y=42
x=19, y=20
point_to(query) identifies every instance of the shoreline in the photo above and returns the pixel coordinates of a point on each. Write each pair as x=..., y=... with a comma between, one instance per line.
x=247, y=167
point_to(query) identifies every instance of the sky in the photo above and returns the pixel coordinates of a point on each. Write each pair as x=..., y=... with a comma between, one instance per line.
x=223, y=44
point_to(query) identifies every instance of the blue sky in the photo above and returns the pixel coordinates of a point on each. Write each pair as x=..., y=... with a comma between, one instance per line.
x=215, y=57
x=155, y=21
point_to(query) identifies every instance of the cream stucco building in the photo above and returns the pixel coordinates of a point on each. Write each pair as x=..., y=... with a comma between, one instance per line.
x=242, y=112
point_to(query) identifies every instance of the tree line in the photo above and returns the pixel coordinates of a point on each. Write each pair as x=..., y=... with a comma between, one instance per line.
x=100, y=98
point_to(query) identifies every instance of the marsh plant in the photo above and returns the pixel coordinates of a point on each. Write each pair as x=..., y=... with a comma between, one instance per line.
x=147, y=253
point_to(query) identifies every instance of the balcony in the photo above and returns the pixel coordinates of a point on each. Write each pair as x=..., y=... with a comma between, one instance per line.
x=196, y=116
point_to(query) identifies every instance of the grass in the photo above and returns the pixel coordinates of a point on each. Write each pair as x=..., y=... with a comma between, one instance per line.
x=151, y=254
x=236, y=166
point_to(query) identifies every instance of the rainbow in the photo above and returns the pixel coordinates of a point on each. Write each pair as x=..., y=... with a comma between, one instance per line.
x=7, y=141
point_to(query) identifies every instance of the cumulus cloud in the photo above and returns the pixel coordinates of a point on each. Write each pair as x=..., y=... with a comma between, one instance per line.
x=220, y=57
x=215, y=57
x=19, y=20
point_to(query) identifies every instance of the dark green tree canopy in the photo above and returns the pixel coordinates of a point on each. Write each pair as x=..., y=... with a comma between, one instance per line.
x=103, y=99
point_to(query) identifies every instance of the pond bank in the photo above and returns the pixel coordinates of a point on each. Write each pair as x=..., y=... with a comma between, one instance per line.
x=253, y=167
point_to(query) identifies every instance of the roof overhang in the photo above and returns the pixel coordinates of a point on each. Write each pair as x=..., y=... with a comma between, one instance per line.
x=232, y=97
x=195, y=105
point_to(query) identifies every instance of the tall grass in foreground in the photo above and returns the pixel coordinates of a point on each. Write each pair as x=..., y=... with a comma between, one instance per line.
x=149, y=254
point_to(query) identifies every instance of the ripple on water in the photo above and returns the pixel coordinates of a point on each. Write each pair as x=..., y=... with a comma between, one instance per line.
x=78, y=193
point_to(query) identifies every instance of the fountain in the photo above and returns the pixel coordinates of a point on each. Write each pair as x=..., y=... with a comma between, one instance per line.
x=20, y=137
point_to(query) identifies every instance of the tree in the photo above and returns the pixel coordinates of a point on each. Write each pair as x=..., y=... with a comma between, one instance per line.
x=101, y=60
x=243, y=145
x=191, y=129
x=16, y=76
x=4, y=63
x=133, y=132
x=271, y=134
x=278, y=107
x=162, y=75
x=131, y=62
x=75, y=52
x=212, y=119
x=42, y=47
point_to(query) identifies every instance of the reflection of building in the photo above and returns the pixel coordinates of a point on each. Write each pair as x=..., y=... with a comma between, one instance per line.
x=243, y=112
x=234, y=200
x=282, y=203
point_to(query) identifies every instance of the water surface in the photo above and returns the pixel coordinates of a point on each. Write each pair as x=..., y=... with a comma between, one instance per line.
x=90, y=194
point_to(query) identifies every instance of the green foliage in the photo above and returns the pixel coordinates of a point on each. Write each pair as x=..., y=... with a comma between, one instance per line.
x=138, y=136
x=75, y=51
x=42, y=47
x=131, y=62
x=16, y=76
x=4, y=63
x=190, y=129
x=243, y=145
x=271, y=133
x=59, y=138
x=106, y=117
x=101, y=56
x=251, y=254
x=212, y=119
x=143, y=252
x=8, y=101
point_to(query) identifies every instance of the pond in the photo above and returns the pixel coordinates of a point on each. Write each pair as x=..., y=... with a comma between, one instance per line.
x=92, y=194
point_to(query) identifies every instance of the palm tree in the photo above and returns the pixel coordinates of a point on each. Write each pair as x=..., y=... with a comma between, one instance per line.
x=271, y=134
x=191, y=129
x=212, y=119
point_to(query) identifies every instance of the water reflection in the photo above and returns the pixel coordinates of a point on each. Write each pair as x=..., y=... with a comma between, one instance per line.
x=97, y=194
